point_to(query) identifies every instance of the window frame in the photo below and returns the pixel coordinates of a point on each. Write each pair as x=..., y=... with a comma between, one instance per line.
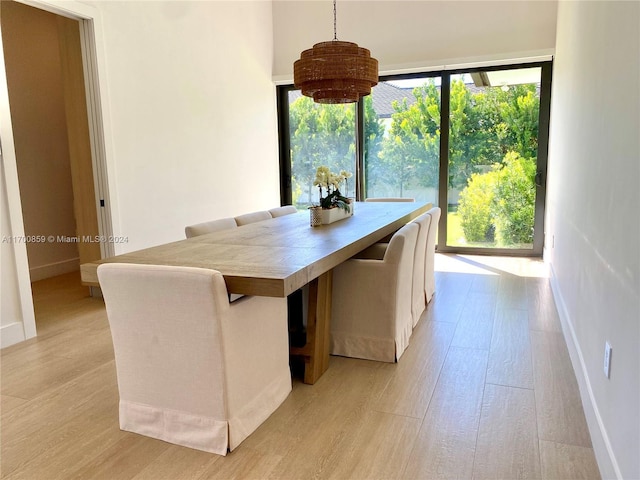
x=546, y=67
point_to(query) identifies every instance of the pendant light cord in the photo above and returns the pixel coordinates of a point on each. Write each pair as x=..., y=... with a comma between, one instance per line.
x=335, y=29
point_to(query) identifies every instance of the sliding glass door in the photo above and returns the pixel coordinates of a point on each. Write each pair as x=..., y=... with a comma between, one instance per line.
x=473, y=142
x=494, y=130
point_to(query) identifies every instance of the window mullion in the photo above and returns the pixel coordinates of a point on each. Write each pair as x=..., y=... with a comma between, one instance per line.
x=443, y=181
x=360, y=172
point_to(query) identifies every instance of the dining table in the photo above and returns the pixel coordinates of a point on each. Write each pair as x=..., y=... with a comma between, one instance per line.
x=278, y=256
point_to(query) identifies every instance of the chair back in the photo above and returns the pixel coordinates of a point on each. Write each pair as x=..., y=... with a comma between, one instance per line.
x=430, y=279
x=418, y=297
x=193, y=369
x=371, y=307
x=285, y=210
x=165, y=324
x=402, y=245
x=209, y=227
x=401, y=251
x=252, y=217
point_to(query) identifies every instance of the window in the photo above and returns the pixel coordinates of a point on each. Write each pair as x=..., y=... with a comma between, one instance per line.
x=402, y=139
x=319, y=135
x=473, y=142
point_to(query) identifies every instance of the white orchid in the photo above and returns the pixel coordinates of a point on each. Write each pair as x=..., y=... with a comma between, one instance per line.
x=331, y=181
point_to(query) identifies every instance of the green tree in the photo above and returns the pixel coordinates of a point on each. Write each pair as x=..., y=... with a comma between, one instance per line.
x=476, y=207
x=319, y=135
x=510, y=117
x=410, y=151
x=500, y=204
x=463, y=130
x=515, y=195
x=373, y=129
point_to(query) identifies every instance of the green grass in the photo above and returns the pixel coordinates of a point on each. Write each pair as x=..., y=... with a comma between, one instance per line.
x=455, y=235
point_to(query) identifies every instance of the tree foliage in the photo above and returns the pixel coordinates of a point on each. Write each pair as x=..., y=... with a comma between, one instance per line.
x=325, y=135
x=319, y=135
x=475, y=207
x=515, y=196
x=411, y=149
x=500, y=204
x=493, y=142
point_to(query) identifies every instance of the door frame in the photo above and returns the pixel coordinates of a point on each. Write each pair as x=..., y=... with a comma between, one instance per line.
x=537, y=249
x=93, y=59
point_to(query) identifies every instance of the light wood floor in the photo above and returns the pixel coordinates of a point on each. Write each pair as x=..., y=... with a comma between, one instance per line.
x=485, y=390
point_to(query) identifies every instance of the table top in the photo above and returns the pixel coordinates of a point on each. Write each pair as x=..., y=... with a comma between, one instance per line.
x=276, y=257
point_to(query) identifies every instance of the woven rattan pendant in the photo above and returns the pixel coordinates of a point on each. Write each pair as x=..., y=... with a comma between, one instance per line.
x=335, y=71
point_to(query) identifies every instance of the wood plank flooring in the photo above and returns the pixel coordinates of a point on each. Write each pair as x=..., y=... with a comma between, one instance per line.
x=485, y=390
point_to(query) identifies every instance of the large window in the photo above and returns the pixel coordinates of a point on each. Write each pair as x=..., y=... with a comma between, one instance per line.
x=402, y=139
x=473, y=142
x=319, y=135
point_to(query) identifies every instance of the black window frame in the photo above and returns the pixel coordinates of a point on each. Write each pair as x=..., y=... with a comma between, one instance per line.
x=445, y=75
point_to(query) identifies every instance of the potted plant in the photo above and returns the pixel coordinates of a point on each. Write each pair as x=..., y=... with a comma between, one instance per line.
x=333, y=205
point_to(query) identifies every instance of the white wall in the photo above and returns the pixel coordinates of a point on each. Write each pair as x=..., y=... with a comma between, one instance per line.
x=593, y=204
x=416, y=34
x=193, y=114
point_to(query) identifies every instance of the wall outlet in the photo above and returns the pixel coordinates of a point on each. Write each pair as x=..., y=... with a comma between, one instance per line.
x=607, y=359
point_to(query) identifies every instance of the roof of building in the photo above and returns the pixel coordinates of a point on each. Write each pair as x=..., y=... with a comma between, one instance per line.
x=383, y=95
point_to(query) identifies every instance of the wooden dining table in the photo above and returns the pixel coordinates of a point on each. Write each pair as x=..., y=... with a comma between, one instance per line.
x=278, y=256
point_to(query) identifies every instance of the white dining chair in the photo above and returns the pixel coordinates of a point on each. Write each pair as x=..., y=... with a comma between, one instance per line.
x=430, y=279
x=284, y=210
x=418, y=297
x=418, y=289
x=193, y=369
x=253, y=217
x=371, y=303
x=209, y=227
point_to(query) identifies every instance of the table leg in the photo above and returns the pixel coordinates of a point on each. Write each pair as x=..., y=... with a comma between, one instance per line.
x=316, y=350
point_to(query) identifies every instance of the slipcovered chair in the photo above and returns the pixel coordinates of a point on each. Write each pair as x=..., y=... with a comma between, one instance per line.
x=418, y=297
x=371, y=304
x=280, y=211
x=430, y=279
x=390, y=199
x=252, y=217
x=209, y=227
x=192, y=369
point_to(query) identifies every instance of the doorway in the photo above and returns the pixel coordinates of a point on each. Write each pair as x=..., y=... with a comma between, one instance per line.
x=59, y=214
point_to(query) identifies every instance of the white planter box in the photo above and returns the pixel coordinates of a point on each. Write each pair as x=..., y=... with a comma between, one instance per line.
x=334, y=214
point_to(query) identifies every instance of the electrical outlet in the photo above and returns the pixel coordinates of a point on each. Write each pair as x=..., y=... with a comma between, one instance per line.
x=607, y=359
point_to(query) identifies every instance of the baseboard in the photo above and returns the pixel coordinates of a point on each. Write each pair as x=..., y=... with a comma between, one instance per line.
x=11, y=334
x=54, y=269
x=601, y=445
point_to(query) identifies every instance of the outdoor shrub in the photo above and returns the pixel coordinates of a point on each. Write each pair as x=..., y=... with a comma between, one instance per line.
x=500, y=202
x=515, y=196
x=475, y=206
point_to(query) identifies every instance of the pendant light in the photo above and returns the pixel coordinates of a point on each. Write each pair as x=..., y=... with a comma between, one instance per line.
x=335, y=71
